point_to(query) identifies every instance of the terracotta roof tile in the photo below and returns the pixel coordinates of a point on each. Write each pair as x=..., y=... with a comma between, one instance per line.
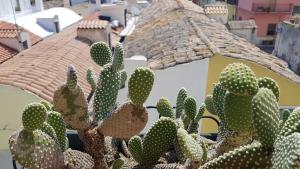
x=216, y=9
x=92, y=24
x=42, y=68
x=6, y=53
x=169, y=33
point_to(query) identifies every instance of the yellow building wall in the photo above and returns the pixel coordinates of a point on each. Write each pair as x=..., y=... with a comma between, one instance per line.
x=12, y=102
x=289, y=90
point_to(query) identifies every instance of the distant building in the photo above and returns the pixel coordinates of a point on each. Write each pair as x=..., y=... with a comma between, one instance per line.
x=245, y=28
x=267, y=13
x=19, y=7
x=287, y=46
x=217, y=11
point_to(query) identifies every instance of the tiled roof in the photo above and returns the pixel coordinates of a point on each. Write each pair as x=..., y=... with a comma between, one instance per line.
x=9, y=30
x=42, y=68
x=92, y=24
x=6, y=53
x=242, y=24
x=183, y=35
x=216, y=9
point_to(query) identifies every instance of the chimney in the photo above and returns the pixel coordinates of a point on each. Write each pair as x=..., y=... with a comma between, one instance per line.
x=24, y=41
x=49, y=24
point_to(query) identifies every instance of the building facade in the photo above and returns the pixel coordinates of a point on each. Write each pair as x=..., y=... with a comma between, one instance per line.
x=267, y=13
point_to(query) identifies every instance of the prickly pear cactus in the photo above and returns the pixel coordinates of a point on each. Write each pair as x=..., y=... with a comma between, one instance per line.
x=118, y=163
x=269, y=83
x=218, y=102
x=57, y=122
x=245, y=157
x=265, y=116
x=164, y=108
x=123, y=75
x=140, y=84
x=91, y=78
x=118, y=57
x=287, y=152
x=34, y=116
x=78, y=160
x=239, y=79
x=135, y=146
x=190, y=107
x=35, y=150
x=181, y=96
x=238, y=112
x=48, y=129
x=210, y=105
x=292, y=124
x=189, y=146
x=101, y=53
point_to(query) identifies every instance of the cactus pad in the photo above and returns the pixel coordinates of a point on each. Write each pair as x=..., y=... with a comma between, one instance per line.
x=181, y=96
x=57, y=122
x=238, y=112
x=158, y=139
x=118, y=57
x=269, y=83
x=101, y=53
x=190, y=147
x=287, y=152
x=78, y=160
x=164, y=108
x=265, y=116
x=292, y=124
x=48, y=129
x=239, y=79
x=140, y=84
x=91, y=78
x=106, y=92
x=136, y=149
x=71, y=77
x=125, y=122
x=34, y=115
x=245, y=157
x=118, y=163
x=190, y=107
x=123, y=75
x=35, y=150
x=47, y=105
x=285, y=114
x=209, y=104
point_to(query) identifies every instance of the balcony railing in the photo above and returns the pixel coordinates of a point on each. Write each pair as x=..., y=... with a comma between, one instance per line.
x=268, y=8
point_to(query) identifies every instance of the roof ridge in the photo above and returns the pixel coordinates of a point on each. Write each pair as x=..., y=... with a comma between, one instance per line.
x=211, y=46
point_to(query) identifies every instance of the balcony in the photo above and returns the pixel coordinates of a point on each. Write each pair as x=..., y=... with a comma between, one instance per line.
x=269, y=8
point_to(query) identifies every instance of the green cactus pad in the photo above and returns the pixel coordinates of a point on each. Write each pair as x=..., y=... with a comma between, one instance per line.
x=118, y=57
x=136, y=149
x=164, y=108
x=78, y=160
x=186, y=120
x=57, y=122
x=194, y=124
x=118, y=163
x=123, y=75
x=189, y=146
x=106, y=92
x=190, y=107
x=181, y=96
x=101, y=53
x=48, y=129
x=265, y=116
x=269, y=83
x=140, y=85
x=218, y=102
x=35, y=150
x=47, y=105
x=71, y=77
x=238, y=112
x=34, y=115
x=210, y=105
x=158, y=140
x=239, y=79
x=292, y=124
x=91, y=78
x=245, y=157
x=287, y=152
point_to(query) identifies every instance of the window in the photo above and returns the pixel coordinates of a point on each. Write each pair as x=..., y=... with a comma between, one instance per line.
x=296, y=10
x=271, y=29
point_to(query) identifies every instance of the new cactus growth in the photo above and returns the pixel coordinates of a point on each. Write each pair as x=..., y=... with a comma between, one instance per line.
x=118, y=163
x=181, y=96
x=239, y=79
x=190, y=107
x=292, y=124
x=118, y=57
x=48, y=129
x=34, y=116
x=140, y=84
x=123, y=75
x=269, y=83
x=194, y=123
x=71, y=77
x=100, y=53
x=209, y=104
x=164, y=108
x=91, y=78
x=57, y=122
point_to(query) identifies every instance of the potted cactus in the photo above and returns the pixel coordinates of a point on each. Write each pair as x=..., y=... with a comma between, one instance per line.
x=251, y=132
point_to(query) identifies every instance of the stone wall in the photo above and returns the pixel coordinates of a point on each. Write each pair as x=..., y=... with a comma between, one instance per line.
x=287, y=45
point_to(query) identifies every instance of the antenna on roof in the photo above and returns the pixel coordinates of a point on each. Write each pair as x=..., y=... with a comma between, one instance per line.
x=13, y=9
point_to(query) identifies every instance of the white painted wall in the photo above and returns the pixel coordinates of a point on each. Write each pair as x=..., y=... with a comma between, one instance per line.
x=115, y=11
x=222, y=18
x=192, y=76
x=248, y=34
x=12, y=43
